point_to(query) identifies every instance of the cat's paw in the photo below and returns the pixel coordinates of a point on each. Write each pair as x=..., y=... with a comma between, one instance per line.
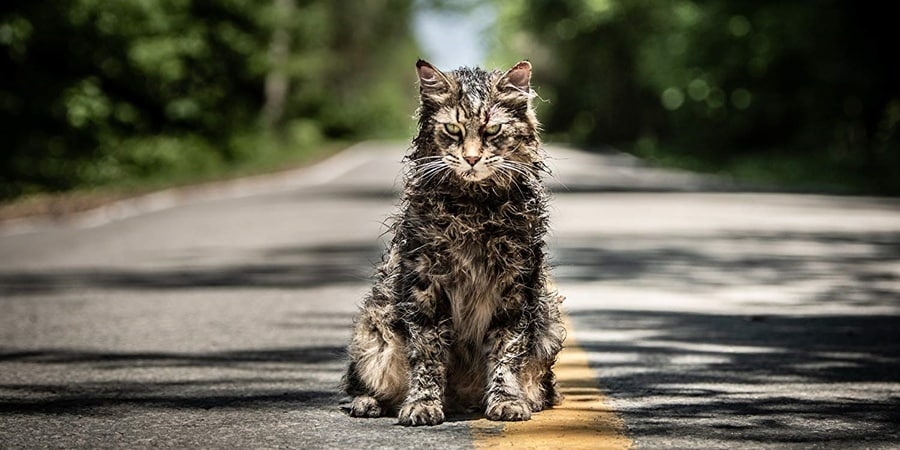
x=509, y=410
x=535, y=406
x=421, y=413
x=366, y=406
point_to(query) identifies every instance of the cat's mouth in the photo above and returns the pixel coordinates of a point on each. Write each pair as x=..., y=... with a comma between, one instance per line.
x=474, y=175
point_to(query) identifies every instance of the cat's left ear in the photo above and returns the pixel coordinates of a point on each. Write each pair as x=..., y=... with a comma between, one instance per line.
x=518, y=78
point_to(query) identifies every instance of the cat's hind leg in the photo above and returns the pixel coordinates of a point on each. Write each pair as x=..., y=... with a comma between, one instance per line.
x=377, y=373
x=366, y=406
x=537, y=378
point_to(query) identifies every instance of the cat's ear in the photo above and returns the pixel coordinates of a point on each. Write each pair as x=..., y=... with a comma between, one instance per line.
x=518, y=78
x=431, y=80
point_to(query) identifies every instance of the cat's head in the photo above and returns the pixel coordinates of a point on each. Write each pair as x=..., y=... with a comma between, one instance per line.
x=477, y=126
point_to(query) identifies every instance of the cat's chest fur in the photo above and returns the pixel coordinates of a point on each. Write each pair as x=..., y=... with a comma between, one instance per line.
x=473, y=290
x=476, y=251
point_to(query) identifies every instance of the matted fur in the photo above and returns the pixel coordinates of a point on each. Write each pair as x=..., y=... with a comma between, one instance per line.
x=462, y=315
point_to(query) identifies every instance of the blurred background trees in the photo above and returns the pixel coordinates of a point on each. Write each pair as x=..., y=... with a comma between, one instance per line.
x=105, y=91
x=805, y=92
x=109, y=92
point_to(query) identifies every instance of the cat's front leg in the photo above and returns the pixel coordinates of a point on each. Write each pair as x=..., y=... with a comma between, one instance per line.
x=428, y=351
x=507, y=347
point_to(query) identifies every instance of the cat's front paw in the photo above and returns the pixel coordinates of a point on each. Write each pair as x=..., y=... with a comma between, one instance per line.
x=509, y=410
x=421, y=413
x=366, y=406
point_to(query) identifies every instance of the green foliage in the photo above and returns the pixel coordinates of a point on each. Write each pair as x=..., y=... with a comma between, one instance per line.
x=719, y=81
x=108, y=91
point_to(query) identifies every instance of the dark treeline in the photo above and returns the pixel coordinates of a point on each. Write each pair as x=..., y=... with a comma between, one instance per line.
x=96, y=92
x=101, y=91
x=781, y=90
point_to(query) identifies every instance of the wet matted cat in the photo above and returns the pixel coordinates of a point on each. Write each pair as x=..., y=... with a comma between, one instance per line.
x=462, y=315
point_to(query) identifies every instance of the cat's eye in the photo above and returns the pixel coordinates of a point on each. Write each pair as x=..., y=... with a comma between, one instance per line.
x=492, y=130
x=453, y=129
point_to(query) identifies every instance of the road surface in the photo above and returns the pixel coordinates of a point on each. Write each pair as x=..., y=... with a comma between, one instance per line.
x=710, y=318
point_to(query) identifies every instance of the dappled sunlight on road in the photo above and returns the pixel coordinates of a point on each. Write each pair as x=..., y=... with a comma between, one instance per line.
x=786, y=378
x=798, y=272
x=818, y=360
x=725, y=320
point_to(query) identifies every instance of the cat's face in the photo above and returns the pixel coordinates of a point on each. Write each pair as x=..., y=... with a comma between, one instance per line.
x=480, y=123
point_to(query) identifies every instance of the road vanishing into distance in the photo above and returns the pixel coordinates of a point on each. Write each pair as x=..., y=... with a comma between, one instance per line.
x=701, y=316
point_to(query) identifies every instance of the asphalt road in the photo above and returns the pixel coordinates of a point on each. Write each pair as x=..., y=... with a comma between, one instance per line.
x=712, y=318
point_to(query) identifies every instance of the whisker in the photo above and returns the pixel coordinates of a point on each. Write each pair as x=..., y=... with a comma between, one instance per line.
x=520, y=164
x=425, y=158
x=513, y=168
x=444, y=177
x=423, y=161
x=430, y=166
x=432, y=172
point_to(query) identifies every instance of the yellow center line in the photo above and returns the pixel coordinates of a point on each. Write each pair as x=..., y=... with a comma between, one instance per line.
x=583, y=420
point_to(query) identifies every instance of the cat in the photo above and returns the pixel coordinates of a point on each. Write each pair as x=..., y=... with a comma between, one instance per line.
x=462, y=315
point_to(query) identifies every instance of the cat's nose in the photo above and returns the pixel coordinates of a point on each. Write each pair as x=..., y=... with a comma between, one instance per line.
x=472, y=160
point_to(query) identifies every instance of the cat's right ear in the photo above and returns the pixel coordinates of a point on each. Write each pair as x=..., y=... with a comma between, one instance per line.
x=431, y=80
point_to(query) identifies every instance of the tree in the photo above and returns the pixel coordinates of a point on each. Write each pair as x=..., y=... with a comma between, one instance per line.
x=101, y=91
x=719, y=80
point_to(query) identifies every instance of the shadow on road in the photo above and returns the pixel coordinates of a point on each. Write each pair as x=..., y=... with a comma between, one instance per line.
x=815, y=360
x=289, y=268
x=781, y=374
x=116, y=360
x=739, y=379
x=259, y=378
x=799, y=268
x=101, y=378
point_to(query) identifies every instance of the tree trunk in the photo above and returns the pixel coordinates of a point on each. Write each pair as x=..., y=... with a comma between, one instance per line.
x=277, y=81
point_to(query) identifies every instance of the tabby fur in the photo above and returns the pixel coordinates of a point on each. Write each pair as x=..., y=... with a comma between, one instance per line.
x=462, y=315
